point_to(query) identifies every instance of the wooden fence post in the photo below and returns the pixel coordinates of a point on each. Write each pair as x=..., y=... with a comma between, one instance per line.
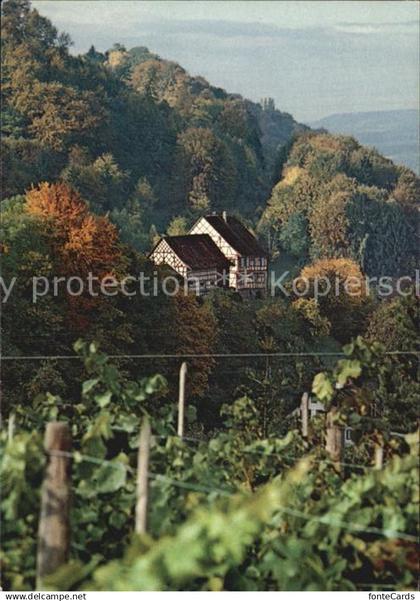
x=334, y=439
x=304, y=408
x=142, y=477
x=181, y=398
x=11, y=427
x=54, y=526
x=379, y=457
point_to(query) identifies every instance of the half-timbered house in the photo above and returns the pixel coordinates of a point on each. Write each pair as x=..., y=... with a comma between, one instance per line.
x=249, y=262
x=196, y=258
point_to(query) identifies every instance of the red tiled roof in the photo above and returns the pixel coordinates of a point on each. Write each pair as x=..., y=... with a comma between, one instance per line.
x=198, y=251
x=237, y=235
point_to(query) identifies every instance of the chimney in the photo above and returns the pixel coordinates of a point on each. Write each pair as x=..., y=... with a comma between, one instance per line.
x=224, y=215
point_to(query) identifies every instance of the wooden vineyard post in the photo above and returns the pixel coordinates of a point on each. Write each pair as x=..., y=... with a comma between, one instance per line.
x=11, y=427
x=142, y=477
x=379, y=456
x=54, y=526
x=334, y=439
x=181, y=399
x=304, y=408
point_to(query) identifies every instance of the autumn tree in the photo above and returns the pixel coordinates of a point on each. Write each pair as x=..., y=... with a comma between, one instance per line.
x=407, y=190
x=34, y=59
x=49, y=102
x=339, y=290
x=328, y=221
x=337, y=199
x=82, y=244
x=27, y=328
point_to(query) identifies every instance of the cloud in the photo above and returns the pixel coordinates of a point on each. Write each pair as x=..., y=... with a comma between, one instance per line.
x=260, y=33
x=404, y=27
x=220, y=28
x=216, y=28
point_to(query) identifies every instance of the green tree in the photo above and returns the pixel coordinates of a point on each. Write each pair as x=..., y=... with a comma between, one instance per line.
x=101, y=181
x=206, y=168
x=293, y=235
x=177, y=227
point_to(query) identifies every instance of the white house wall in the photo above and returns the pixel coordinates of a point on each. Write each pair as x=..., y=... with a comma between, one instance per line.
x=247, y=277
x=199, y=280
x=204, y=227
x=164, y=255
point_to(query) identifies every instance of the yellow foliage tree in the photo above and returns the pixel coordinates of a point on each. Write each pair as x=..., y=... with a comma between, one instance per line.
x=338, y=288
x=328, y=220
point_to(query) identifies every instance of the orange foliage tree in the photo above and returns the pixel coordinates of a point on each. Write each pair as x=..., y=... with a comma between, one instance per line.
x=81, y=243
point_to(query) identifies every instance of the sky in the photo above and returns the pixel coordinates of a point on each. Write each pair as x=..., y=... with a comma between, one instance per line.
x=315, y=58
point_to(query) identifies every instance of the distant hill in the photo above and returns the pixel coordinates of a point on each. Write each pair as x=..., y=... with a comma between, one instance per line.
x=393, y=133
x=200, y=103
x=339, y=199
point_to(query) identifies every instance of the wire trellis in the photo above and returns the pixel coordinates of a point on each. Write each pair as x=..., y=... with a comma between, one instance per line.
x=197, y=355
x=161, y=478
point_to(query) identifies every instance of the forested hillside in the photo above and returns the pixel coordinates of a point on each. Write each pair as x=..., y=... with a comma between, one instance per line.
x=134, y=134
x=336, y=199
x=101, y=153
x=394, y=133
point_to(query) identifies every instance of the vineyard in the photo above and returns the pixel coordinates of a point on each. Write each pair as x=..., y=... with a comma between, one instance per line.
x=230, y=510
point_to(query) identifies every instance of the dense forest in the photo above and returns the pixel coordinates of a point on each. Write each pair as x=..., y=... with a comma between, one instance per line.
x=392, y=132
x=134, y=134
x=339, y=199
x=102, y=154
